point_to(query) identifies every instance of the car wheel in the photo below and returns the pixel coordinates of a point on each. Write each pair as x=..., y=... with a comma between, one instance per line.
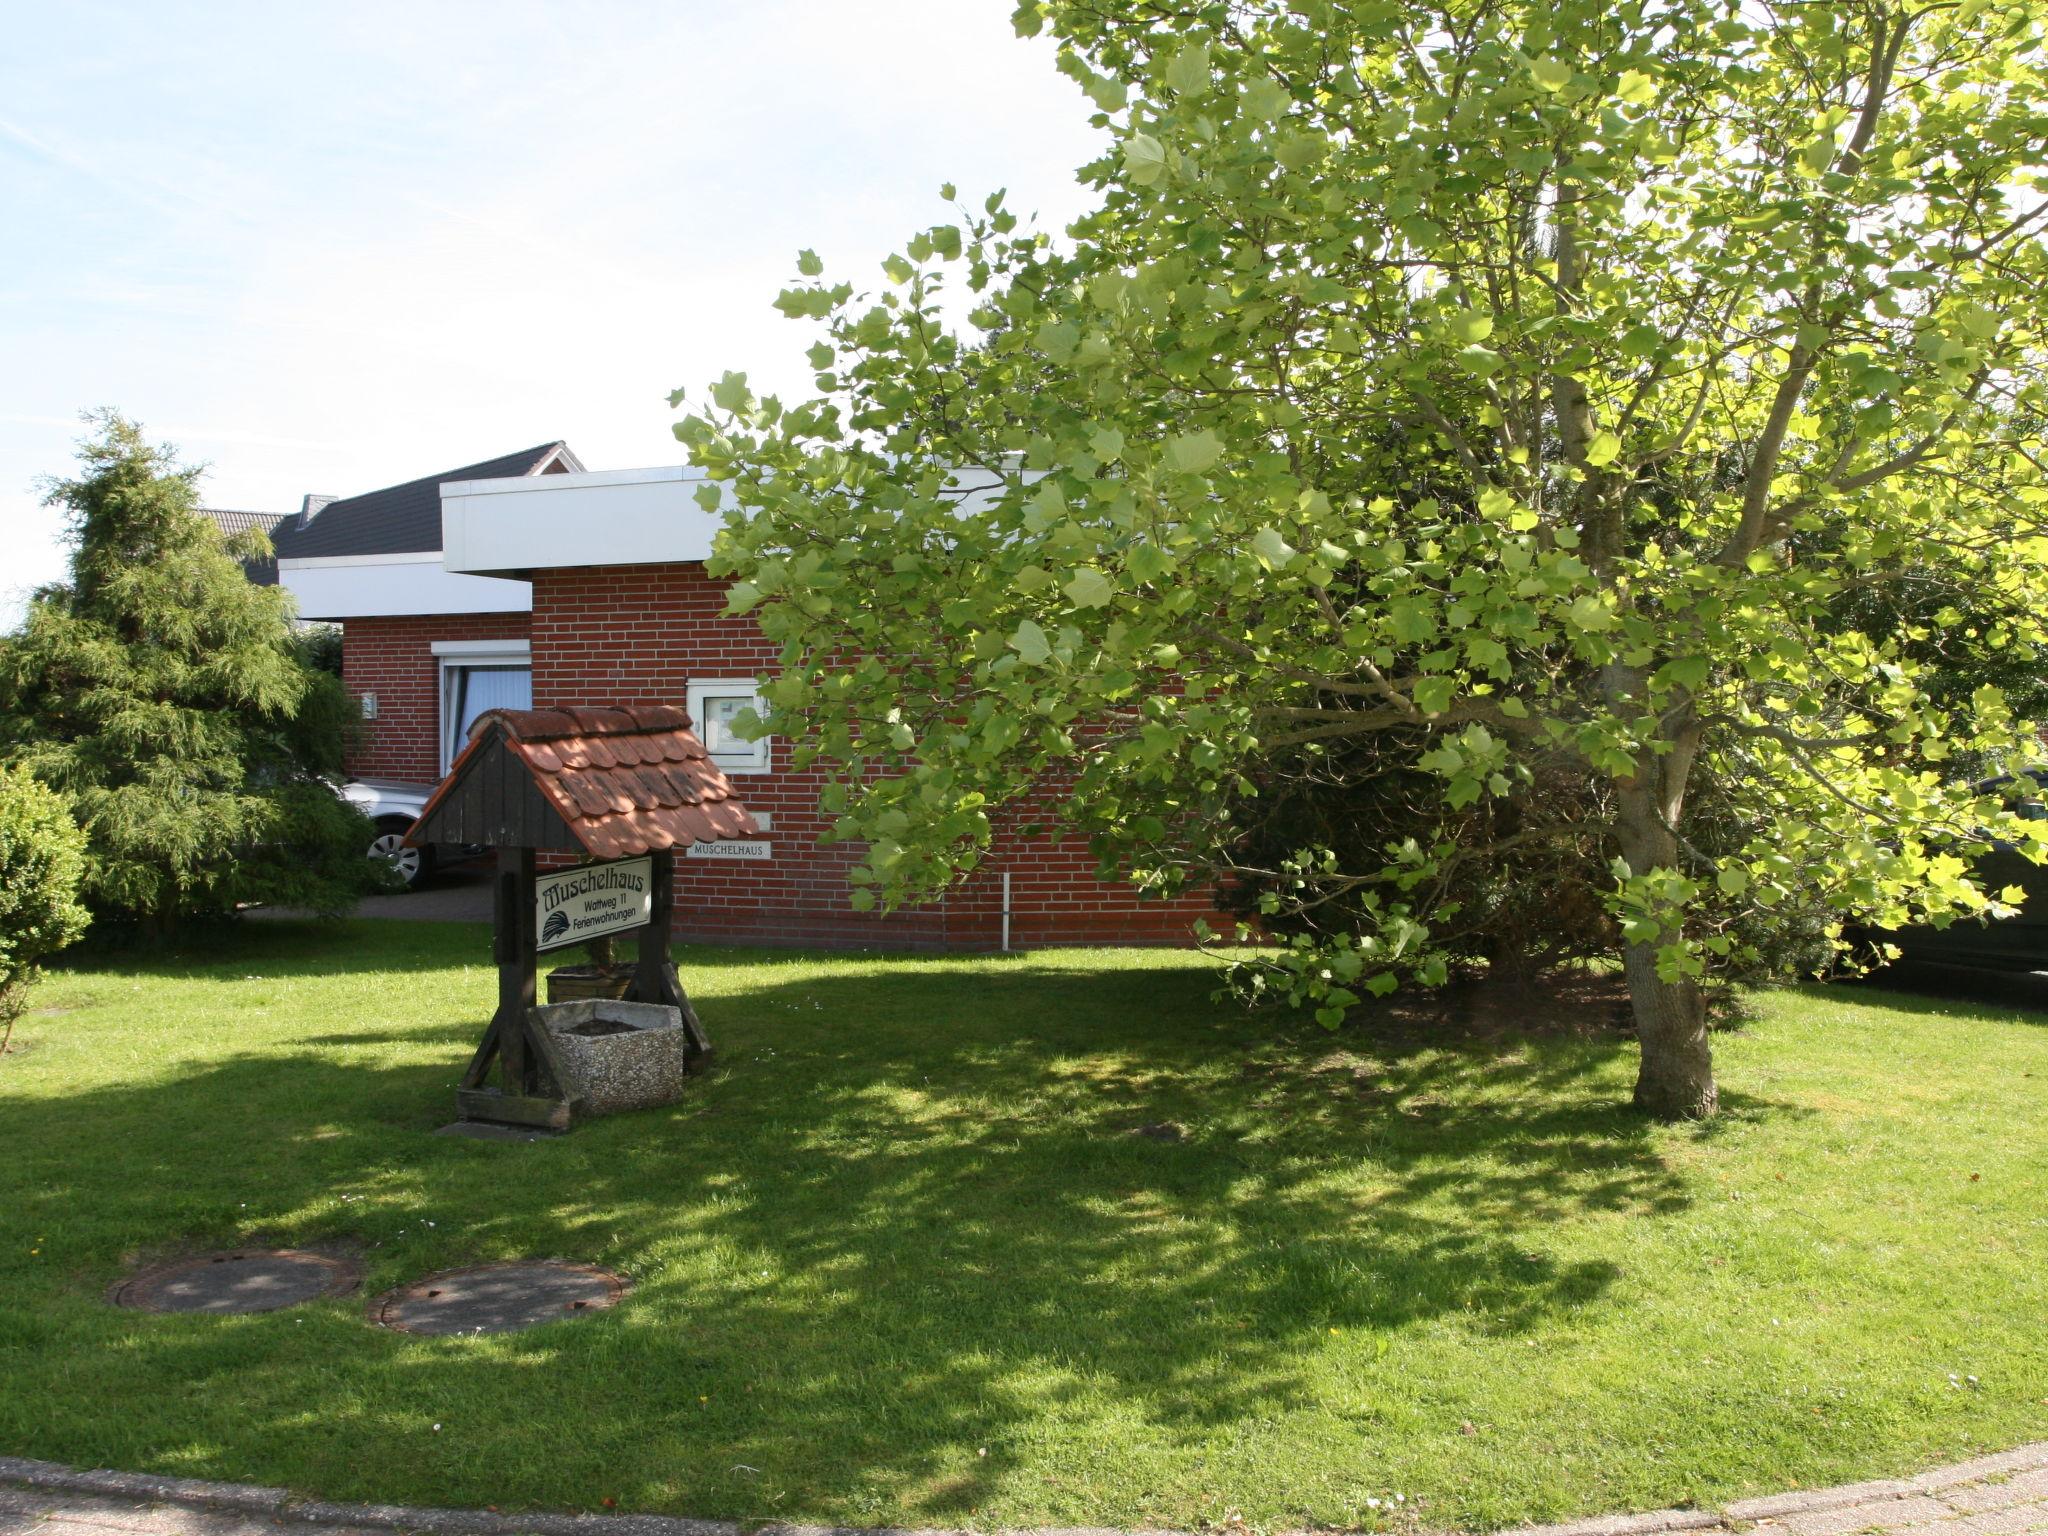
x=413, y=864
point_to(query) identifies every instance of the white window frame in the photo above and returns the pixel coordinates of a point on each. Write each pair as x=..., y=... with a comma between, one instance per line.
x=455, y=656
x=760, y=757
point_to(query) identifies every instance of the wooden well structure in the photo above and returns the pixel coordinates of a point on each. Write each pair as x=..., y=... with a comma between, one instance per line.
x=618, y=787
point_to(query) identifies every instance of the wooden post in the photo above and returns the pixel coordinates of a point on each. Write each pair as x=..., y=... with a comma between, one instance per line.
x=654, y=975
x=650, y=955
x=530, y=1079
x=516, y=966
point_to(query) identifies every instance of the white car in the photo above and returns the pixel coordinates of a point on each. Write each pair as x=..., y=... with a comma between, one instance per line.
x=393, y=807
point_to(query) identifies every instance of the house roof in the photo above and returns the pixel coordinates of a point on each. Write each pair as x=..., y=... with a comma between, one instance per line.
x=262, y=570
x=232, y=523
x=619, y=781
x=403, y=519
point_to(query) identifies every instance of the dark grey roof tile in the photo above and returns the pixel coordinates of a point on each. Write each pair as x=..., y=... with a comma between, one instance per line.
x=400, y=519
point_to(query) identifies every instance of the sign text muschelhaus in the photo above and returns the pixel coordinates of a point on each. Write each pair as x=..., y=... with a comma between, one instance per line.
x=593, y=900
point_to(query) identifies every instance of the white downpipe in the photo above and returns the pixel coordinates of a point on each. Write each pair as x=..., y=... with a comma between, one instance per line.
x=1006, y=909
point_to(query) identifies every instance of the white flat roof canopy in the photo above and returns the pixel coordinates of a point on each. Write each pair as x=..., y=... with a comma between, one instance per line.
x=611, y=517
x=544, y=522
x=343, y=587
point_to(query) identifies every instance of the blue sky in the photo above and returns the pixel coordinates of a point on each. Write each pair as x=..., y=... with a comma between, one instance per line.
x=328, y=248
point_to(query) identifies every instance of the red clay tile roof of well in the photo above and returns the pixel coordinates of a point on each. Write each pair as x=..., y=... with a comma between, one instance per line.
x=626, y=780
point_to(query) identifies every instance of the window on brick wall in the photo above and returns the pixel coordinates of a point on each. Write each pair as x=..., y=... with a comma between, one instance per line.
x=714, y=704
x=479, y=675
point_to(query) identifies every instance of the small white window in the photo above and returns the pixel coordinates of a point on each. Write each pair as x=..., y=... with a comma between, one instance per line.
x=714, y=704
x=478, y=675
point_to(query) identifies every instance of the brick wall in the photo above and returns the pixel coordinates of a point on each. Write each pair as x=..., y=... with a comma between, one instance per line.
x=639, y=634
x=394, y=659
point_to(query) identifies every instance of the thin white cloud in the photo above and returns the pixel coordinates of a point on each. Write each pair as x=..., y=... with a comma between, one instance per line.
x=172, y=432
x=471, y=237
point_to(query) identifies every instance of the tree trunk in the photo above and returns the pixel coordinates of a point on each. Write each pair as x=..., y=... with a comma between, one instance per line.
x=1676, y=1079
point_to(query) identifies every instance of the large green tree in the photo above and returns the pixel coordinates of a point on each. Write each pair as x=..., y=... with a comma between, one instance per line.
x=167, y=699
x=1721, y=314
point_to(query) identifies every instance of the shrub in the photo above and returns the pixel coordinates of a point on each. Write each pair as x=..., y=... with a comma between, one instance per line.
x=42, y=859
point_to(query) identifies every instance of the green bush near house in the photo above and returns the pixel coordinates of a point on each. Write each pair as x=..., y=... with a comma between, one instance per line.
x=42, y=859
x=1048, y=1239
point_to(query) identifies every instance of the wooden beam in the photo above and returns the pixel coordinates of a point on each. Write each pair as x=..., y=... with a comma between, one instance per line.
x=514, y=1108
x=517, y=963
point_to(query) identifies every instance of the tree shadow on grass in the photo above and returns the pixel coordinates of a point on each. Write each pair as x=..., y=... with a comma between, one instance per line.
x=2019, y=997
x=912, y=1214
x=312, y=947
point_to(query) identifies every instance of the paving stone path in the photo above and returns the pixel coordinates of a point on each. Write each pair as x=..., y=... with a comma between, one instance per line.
x=2003, y=1495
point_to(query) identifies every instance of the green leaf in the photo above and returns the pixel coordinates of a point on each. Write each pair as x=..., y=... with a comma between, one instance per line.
x=1272, y=550
x=1193, y=452
x=1590, y=614
x=1187, y=72
x=1148, y=562
x=1496, y=503
x=1641, y=341
x=1299, y=151
x=1057, y=339
x=1144, y=159
x=1480, y=361
x=1046, y=507
x=730, y=393
x=1636, y=88
x=1266, y=98
x=1432, y=695
x=1106, y=93
x=1089, y=588
x=1687, y=672
x=1816, y=157
x=1469, y=326
x=1029, y=642
x=1413, y=620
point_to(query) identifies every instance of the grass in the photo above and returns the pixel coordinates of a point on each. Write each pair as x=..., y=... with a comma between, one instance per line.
x=905, y=1257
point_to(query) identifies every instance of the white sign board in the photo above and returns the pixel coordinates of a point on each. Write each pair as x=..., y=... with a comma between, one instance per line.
x=593, y=900
x=738, y=848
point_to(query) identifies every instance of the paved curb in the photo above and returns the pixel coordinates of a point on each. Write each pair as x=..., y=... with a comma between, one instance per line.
x=281, y=1504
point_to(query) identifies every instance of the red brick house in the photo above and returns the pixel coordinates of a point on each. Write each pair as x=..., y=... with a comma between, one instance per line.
x=528, y=581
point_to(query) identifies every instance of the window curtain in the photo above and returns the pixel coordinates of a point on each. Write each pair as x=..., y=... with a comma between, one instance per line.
x=482, y=688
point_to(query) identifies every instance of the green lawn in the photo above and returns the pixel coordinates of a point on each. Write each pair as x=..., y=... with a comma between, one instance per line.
x=901, y=1258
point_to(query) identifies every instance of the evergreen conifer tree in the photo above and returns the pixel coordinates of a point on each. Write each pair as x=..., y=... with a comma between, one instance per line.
x=167, y=699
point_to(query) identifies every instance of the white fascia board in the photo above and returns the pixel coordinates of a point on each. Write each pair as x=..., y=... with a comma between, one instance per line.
x=544, y=522
x=378, y=586
x=529, y=523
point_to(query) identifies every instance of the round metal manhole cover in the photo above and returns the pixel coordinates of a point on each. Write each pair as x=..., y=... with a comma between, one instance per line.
x=246, y=1280
x=498, y=1298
